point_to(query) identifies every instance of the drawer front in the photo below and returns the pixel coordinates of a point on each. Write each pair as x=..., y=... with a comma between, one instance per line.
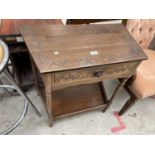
x=94, y=73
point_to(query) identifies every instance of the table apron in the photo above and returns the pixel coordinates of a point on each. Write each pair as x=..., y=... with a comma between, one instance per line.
x=93, y=74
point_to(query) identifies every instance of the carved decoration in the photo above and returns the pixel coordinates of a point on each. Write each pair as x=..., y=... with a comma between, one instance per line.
x=85, y=61
x=68, y=76
x=88, y=73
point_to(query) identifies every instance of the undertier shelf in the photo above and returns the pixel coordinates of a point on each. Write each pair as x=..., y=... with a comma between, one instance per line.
x=77, y=99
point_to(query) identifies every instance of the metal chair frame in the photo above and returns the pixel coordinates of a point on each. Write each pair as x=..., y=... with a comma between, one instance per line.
x=14, y=86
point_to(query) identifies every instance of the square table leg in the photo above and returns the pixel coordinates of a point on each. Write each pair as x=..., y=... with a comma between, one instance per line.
x=48, y=96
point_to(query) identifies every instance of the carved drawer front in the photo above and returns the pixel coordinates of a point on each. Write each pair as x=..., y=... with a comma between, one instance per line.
x=94, y=73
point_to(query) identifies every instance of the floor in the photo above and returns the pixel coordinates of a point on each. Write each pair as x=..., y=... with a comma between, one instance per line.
x=139, y=120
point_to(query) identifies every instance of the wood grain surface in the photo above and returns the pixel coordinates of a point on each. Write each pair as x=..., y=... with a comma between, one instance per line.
x=92, y=74
x=65, y=47
x=73, y=60
x=87, y=96
x=10, y=26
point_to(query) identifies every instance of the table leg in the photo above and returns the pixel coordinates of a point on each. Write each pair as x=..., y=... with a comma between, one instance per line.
x=48, y=95
x=49, y=109
x=120, y=86
x=35, y=75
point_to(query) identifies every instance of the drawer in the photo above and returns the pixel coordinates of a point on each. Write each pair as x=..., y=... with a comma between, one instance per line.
x=93, y=74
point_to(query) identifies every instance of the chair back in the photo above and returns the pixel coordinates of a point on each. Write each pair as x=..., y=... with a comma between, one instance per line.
x=143, y=30
x=4, y=55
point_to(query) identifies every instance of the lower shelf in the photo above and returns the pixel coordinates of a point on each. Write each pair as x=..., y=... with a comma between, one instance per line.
x=77, y=99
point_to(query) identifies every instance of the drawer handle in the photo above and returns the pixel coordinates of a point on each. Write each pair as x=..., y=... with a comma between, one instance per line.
x=98, y=73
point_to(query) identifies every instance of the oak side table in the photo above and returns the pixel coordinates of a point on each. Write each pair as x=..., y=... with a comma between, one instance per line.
x=70, y=63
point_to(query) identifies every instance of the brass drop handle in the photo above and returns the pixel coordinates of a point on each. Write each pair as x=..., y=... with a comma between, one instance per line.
x=98, y=73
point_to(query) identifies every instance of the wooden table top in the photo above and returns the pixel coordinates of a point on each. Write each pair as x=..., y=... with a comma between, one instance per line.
x=9, y=27
x=64, y=47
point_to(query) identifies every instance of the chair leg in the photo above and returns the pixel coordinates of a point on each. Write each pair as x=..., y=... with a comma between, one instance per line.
x=15, y=125
x=132, y=100
x=6, y=89
x=13, y=82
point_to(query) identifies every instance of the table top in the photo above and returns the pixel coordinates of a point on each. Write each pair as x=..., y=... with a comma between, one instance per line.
x=9, y=27
x=64, y=47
